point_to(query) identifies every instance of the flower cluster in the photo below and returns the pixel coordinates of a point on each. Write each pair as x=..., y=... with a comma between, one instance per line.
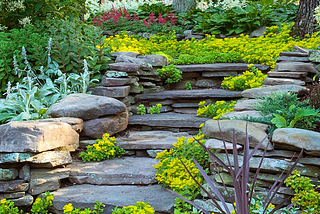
x=264, y=50
x=69, y=209
x=103, y=149
x=155, y=109
x=137, y=208
x=215, y=110
x=249, y=79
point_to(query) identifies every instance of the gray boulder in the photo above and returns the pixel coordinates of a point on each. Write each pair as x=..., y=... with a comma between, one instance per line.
x=86, y=106
x=268, y=90
x=33, y=136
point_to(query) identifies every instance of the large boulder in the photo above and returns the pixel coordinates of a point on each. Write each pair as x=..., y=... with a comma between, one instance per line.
x=35, y=136
x=297, y=139
x=256, y=131
x=86, y=106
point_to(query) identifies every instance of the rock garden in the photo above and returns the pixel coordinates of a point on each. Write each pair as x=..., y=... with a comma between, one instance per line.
x=162, y=107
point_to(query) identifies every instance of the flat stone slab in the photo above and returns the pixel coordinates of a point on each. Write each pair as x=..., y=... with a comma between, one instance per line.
x=295, y=67
x=119, y=171
x=84, y=196
x=115, y=92
x=125, y=67
x=110, y=81
x=13, y=186
x=191, y=94
x=293, y=59
x=220, y=67
x=219, y=73
x=246, y=105
x=294, y=53
x=297, y=139
x=167, y=120
x=219, y=145
x=283, y=81
x=293, y=75
x=26, y=200
x=242, y=114
x=268, y=90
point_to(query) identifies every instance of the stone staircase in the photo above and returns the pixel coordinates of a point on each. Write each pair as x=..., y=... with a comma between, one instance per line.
x=121, y=181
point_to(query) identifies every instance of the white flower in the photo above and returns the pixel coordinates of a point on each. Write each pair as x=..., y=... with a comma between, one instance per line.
x=317, y=14
x=25, y=21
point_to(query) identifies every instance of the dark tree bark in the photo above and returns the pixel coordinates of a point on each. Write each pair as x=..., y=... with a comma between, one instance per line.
x=184, y=6
x=305, y=21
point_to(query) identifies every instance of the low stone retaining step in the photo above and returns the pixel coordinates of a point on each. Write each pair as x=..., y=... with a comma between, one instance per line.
x=119, y=171
x=173, y=120
x=282, y=81
x=83, y=196
x=220, y=67
x=149, y=140
x=191, y=94
x=294, y=75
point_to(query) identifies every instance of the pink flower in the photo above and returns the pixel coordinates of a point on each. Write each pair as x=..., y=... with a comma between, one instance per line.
x=125, y=11
x=161, y=20
x=146, y=23
x=152, y=19
x=135, y=17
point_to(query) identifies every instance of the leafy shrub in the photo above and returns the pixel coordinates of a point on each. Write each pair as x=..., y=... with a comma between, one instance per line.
x=103, y=149
x=155, y=109
x=69, y=209
x=236, y=20
x=215, y=110
x=207, y=57
x=290, y=109
x=306, y=196
x=72, y=43
x=137, y=208
x=141, y=109
x=31, y=99
x=8, y=207
x=249, y=79
x=170, y=73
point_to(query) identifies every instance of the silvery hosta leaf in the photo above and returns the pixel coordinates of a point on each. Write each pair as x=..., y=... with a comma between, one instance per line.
x=33, y=91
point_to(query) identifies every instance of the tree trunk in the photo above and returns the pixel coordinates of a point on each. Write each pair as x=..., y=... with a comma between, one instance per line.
x=184, y=6
x=305, y=21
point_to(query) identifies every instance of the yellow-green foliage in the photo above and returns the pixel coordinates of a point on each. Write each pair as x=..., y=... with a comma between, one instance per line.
x=263, y=50
x=306, y=196
x=103, y=149
x=249, y=79
x=216, y=110
x=171, y=172
x=137, y=208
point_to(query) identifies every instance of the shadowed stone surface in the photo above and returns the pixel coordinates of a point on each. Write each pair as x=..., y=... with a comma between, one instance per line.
x=219, y=73
x=167, y=120
x=294, y=75
x=109, y=81
x=113, y=124
x=292, y=59
x=297, y=139
x=13, y=186
x=8, y=174
x=84, y=196
x=219, y=67
x=26, y=200
x=12, y=195
x=125, y=67
x=297, y=54
x=31, y=136
x=190, y=94
x=86, y=106
x=256, y=131
x=266, y=91
x=115, y=92
x=123, y=171
x=43, y=180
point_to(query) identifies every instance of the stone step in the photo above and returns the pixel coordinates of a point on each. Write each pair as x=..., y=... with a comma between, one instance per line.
x=220, y=67
x=114, y=92
x=282, y=81
x=292, y=59
x=172, y=120
x=294, y=54
x=293, y=75
x=295, y=67
x=191, y=94
x=83, y=196
x=268, y=90
x=118, y=171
